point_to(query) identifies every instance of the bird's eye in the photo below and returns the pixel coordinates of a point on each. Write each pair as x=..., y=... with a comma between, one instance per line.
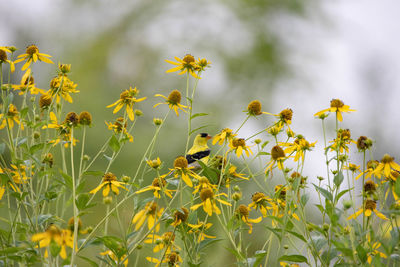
x=204, y=134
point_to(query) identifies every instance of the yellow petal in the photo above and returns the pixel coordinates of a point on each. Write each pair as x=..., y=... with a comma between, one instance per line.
x=106, y=190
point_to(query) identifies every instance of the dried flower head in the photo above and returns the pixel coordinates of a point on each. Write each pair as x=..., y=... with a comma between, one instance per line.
x=85, y=118
x=72, y=119
x=206, y=193
x=174, y=97
x=277, y=153
x=369, y=187
x=45, y=101
x=286, y=115
x=254, y=108
x=181, y=162
x=363, y=143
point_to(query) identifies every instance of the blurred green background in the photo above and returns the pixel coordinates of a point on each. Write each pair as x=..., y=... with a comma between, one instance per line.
x=286, y=53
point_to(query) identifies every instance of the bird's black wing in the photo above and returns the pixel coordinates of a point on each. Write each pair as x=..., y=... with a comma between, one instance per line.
x=196, y=156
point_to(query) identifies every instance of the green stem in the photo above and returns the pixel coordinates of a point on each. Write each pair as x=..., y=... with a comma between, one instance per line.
x=74, y=247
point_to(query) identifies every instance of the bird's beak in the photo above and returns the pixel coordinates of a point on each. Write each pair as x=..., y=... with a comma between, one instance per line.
x=208, y=137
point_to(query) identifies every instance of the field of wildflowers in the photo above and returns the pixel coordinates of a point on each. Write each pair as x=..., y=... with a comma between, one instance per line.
x=178, y=213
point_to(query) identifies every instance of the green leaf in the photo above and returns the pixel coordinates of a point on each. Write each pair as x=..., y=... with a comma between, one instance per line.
x=338, y=179
x=324, y=192
x=67, y=180
x=195, y=130
x=82, y=201
x=93, y=173
x=397, y=187
x=293, y=258
x=210, y=173
x=54, y=248
x=264, y=144
x=276, y=231
x=42, y=218
x=92, y=263
x=362, y=254
x=262, y=153
x=259, y=255
x=36, y=148
x=114, y=244
x=206, y=242
x=235, y=253
x=114, y=144
x=2, y=148
x=304, y=199
x=21, y=141
x=342, y=193
x=198, y=115
x=23, y=112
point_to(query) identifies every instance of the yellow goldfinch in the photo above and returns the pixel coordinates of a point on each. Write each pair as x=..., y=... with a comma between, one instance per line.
x=199, y=150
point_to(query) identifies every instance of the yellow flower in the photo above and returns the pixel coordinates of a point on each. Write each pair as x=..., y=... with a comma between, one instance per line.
x=32, y=54
x=225, y=135
x=180, y=216
x=243, y=213
x=239, y=145
x=165, y=240
x=109, y=182
x=199, y=229
x=182, y=169
x=338, y=107
x=209, y=199
x=371, y=169
x=204, y=183
x=155, y=163
x=202, y=64
x=19, y=175
x=300, y=145
x=62, y=238
x=260, y=201
x=386, y=165
x=342, y=141
x=279, y=203
x=254, y=108
x=285, y=117
x=120, y=126
x=64, y=132
x=152, y=213
x=10, y=117
x=27, y=84
x=173, y=101
x=369, y=207
x=187, y=64
x=374, y=250
x=158, y=184
x=285, y=264
x=352, y=167
x=127, y=99
x=4, y=58
x=277, y=156
x=172, y=259
x=61, y=87
x=114, y=257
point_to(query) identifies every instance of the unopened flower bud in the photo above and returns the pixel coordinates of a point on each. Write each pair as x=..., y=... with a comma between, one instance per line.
x=347, y=204
x=236, y=196
x=138, y=112
x=125, y=178
x=107, y=200
x=258, y=141
x=36, y=135
x=157, y=121
x=86, y=157
x=236, y=188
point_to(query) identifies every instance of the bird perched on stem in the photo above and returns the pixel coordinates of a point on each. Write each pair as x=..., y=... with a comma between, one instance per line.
x=199, y=150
